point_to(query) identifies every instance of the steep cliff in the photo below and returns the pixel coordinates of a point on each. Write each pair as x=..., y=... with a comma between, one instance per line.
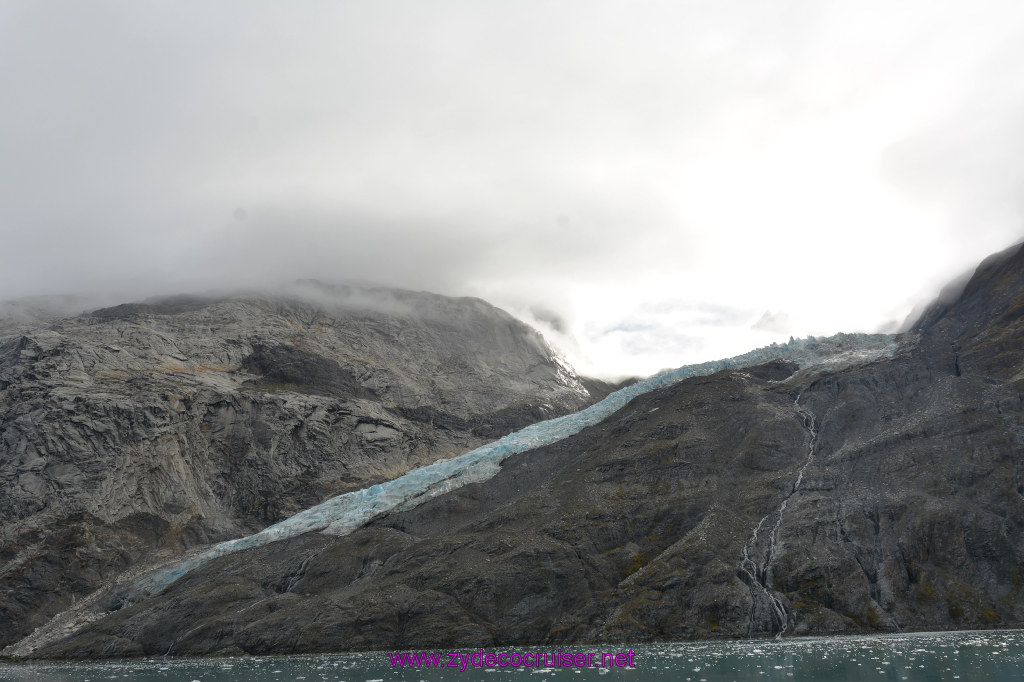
x=135, y=433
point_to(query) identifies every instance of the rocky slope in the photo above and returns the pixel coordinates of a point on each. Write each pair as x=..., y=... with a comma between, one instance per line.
x=882, y=496
x=136, y=433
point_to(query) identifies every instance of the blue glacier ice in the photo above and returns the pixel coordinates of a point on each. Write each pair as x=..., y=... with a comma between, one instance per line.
x=345, y=513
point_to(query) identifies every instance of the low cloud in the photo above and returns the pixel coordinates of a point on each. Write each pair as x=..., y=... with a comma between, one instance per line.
x=773, y=322
x=684, y=168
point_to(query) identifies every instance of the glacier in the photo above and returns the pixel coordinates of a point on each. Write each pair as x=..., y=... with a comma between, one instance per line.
x=347, y=512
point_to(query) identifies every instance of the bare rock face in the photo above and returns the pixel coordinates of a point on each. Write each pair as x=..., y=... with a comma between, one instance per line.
x=765, y=501
x=134, y=433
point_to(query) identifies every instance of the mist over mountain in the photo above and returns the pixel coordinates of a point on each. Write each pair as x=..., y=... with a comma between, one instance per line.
x=331, y=325
x=657, y=179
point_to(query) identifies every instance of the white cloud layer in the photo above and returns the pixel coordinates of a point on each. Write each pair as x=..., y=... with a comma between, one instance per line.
x=656, y=175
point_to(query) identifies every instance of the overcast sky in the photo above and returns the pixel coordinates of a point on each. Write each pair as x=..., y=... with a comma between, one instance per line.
x=653, y=183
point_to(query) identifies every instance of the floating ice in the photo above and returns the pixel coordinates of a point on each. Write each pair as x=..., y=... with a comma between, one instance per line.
x=345, y=513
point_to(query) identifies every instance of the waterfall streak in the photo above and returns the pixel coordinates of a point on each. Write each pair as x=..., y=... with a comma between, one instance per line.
x=757, y=574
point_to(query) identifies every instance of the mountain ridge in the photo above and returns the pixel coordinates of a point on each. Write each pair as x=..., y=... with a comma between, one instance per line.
x=884, y=495
x=135, y=432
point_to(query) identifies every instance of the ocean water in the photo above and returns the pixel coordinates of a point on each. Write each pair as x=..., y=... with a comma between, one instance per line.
x=993, y=656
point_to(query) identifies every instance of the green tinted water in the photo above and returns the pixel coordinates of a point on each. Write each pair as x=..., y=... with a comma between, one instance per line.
x=996, y=656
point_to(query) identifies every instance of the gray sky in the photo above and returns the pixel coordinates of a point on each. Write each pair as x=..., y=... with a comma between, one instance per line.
x=667, y=182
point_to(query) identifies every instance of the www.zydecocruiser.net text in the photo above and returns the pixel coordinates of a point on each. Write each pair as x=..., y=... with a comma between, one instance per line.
x=463, y=660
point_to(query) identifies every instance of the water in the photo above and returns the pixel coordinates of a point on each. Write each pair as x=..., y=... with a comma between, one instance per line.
x=994, y=656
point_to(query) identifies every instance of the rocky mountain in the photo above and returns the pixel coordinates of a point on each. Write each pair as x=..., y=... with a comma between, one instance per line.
x=878, y=494
x=131, y=435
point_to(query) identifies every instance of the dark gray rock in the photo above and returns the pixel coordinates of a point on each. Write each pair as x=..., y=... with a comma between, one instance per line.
x=134, y=433
x=881, y=497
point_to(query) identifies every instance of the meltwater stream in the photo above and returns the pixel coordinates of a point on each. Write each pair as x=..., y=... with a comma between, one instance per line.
x=345, y=513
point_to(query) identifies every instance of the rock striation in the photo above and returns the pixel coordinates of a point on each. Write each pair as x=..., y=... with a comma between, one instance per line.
x=132, y=434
